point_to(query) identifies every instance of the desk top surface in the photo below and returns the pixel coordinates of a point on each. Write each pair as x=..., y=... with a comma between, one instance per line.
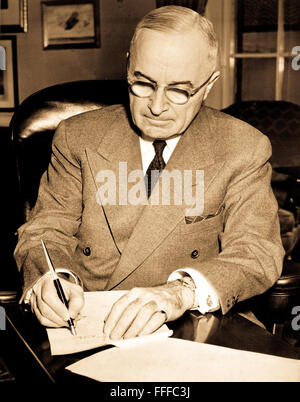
x=25, y=348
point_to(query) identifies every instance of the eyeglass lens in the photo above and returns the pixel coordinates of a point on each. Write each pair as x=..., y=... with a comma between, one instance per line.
x=145, y=89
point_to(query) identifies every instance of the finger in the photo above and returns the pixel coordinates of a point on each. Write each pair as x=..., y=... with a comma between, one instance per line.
x=48, y=312
x=125, y=320
x=43, y=317
x=76, y=301
x=141, y=319
x=56, y=308
x=115, y=313
x=155, y=322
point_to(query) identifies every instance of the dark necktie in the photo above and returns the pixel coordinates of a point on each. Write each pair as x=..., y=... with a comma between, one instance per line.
x=156, y=166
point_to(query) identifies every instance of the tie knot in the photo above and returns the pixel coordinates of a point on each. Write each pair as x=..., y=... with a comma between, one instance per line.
x=159, y=146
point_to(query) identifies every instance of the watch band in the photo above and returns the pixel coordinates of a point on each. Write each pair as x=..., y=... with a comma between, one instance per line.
x=188, y=282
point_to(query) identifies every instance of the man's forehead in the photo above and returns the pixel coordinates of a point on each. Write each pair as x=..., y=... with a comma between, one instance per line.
x=187, y=42
x=171, y=52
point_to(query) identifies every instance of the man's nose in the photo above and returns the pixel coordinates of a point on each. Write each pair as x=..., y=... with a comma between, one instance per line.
x=158, y=102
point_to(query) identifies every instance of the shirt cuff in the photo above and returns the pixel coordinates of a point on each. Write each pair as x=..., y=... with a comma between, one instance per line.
x=206, y=296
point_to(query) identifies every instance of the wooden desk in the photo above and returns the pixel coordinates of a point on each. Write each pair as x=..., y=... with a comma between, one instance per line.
x=24, y=344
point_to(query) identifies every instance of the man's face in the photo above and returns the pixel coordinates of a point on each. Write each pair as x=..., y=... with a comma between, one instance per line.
x=168, y=59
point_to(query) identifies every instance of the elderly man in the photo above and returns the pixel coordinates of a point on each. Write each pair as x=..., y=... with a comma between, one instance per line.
x=171, y=258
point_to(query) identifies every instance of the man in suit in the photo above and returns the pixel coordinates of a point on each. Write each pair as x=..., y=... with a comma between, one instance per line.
x=223, y=248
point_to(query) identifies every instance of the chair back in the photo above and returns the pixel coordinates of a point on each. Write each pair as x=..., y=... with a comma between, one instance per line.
x=280, y=121
x=36, y=119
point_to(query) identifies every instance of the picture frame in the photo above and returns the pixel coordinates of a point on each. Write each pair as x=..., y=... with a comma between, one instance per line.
x=9, y=77
x=14, y=16
x=70, y=24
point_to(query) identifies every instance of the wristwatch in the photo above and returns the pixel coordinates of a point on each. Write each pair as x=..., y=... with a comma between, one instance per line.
x=188, y=282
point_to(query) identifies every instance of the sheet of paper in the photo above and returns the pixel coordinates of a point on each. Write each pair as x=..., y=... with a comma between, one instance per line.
x=89, y=328
x=178, y=360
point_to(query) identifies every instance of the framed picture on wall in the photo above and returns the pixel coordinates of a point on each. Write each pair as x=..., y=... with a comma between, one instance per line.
x=8, y=74
x=70, y=24
x=13, y=16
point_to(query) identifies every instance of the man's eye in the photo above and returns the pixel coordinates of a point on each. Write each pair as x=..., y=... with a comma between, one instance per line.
x=144, y=84
x=177, y=95
x=142, y=89
x=178, y=91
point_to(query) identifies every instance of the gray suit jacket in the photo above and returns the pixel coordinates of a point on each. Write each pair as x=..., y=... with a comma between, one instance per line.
x=121, y=246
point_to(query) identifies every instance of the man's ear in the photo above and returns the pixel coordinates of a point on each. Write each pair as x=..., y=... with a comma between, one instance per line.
x=211, y=83
x=127, y=61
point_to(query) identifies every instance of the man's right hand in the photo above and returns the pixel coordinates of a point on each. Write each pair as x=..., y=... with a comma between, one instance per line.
x=47, y=306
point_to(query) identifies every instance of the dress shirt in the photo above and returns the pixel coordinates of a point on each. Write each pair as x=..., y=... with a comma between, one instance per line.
x=148, y=151
x=205, y=296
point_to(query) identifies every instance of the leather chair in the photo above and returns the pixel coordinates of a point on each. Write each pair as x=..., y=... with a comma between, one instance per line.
x=280, y=121
x=34, y=122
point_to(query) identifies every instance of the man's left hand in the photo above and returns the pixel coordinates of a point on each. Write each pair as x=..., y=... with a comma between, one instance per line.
x=143, y=310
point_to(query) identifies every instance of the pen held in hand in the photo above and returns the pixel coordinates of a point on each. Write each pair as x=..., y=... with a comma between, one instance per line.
x=58, y=287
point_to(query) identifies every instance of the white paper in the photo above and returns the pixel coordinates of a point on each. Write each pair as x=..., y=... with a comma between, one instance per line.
x=89, y=328
x=178, y=360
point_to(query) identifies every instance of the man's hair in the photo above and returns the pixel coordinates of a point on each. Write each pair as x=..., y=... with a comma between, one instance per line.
x=177, y=19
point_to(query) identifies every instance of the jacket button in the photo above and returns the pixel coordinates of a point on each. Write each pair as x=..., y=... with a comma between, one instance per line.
x=87, y=251
x=195, y=254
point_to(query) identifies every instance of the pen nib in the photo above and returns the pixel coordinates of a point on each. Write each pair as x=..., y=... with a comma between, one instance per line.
x=73, y=330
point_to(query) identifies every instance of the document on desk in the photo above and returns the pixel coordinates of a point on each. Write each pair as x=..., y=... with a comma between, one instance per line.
x=89, y=327
x=179, y=360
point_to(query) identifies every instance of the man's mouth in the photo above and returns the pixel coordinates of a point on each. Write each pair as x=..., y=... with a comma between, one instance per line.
x=157, y=121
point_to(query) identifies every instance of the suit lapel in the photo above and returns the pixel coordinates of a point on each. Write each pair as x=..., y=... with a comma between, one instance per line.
x=119, y=144
x=194, y=151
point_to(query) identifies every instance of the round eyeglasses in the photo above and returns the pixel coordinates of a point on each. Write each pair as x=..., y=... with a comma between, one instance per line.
x=179, y=96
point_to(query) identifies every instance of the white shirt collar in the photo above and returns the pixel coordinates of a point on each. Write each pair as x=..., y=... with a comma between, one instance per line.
x=148, y=152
